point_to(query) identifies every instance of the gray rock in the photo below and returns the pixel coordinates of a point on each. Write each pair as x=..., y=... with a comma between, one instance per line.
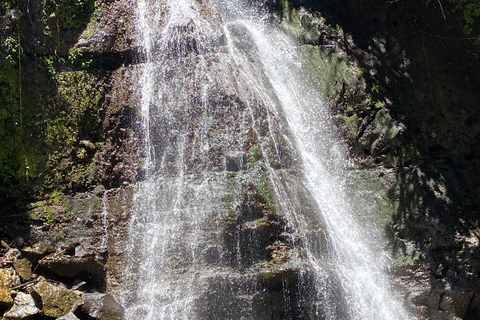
x=85, y=249
x=102, y=306
x=23, y=306
x=38, y=251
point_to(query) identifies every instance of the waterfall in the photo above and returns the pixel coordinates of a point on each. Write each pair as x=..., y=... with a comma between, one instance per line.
x=239, y=157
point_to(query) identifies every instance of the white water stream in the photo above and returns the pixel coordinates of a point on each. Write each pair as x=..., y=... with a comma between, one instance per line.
x=184, y=191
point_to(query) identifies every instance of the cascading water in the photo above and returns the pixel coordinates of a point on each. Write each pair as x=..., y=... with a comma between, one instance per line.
x=225, y=101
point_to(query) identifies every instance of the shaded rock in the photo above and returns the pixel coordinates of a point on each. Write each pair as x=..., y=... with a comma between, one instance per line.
x=56, y=299
x=102, y=306
x=38, y=251
x=23, y=267
x=85, y=250
x=19, y=241
x=448, y=304
x=235, y=161
x=229, y=296
x=5, y=293
x=24, y=306
x=70, y=267
x=382, y=134
x=70, y=316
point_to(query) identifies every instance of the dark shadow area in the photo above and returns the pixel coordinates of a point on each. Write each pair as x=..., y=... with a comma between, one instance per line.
x=417, y=57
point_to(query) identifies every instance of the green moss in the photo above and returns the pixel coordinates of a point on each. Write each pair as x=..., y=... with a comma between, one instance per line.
x=264, y=191
x=329, y=71
x=411, y=153
x=470, y=10
x=79, y=103
x=256, y=154
x=53, y=208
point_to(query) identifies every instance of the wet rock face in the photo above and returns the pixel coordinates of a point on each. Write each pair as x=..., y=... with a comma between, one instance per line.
x=248, y=296
x=250, y=233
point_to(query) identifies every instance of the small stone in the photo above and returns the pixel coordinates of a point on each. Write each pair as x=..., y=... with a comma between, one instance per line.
x=99, y=190
x=12, y=255
x=23, y=267
x=57, y=300
x=19, y=242
x=85, y=250
x=4, y=244
x=88, y=144
x=24, y=306
x=14, y=15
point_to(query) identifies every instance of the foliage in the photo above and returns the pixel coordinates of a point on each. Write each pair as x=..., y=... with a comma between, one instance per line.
x=470, y=10
x=74, y=117
x=70, y=14
x=18, y=156
x=7, y=5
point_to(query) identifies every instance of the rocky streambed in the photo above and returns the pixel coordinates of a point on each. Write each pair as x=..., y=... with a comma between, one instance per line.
x=44, y=282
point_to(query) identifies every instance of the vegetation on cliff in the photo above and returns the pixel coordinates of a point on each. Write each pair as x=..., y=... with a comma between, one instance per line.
x=405, y=98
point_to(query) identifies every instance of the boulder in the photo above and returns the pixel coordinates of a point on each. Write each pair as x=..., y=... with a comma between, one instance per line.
x=38, y=251
x=23, y=267
x=5, y=285
x=56, y=300
x=70, y=266
x=102, y=306
x=23, y=307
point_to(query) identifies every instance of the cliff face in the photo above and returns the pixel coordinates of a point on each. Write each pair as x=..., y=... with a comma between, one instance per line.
x=402, y=89
x=422, y=66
